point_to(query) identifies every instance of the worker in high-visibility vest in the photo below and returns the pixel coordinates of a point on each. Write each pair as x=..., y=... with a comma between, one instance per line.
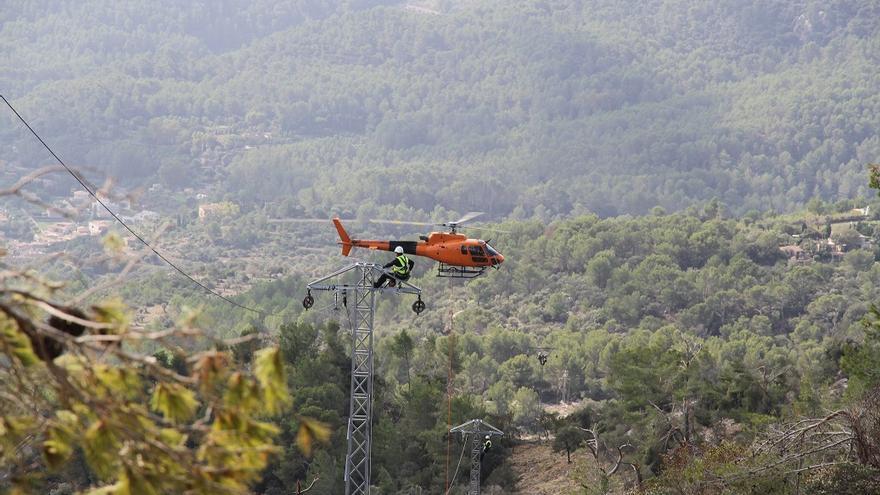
x=400, y=268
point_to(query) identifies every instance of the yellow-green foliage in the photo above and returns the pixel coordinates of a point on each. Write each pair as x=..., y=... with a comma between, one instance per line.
x=142, y=428
x=724, y=469
x=176, y=403
x=113, y=243
x=310, y=431
x=270, y=372
x=15, y=343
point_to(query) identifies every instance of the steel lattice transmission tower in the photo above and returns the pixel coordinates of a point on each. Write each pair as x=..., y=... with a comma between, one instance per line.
x=354, y=283
x=477, y=429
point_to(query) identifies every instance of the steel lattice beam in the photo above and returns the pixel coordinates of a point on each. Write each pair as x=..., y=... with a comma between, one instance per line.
x=357, y=460
x=360, y=418
x=476, y=451
x=476, y=428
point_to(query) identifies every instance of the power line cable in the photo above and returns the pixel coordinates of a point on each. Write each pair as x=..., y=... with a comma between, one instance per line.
x=115, y=216
x=460, y=457
x=449, y=378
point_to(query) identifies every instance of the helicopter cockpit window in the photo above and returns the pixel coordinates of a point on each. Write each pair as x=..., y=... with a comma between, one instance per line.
x=475, y=251
x=491, y=250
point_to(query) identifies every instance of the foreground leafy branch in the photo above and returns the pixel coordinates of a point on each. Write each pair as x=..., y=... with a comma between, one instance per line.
x=79, y=385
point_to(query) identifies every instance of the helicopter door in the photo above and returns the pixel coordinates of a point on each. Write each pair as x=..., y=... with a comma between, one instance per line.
x=477, y=254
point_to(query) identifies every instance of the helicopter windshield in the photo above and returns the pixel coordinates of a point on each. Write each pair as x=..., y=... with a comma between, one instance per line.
x=490, y=250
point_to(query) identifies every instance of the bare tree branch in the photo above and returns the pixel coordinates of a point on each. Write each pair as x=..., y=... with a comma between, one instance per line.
x=598, y=450
x=132, y=263
x=304, y=490
x=17, y=189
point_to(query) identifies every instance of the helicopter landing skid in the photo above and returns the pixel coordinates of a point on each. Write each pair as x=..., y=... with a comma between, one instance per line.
x=453, y=271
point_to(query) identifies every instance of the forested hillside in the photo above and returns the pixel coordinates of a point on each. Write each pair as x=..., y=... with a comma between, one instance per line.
x=689, y=324
x=520, y=107
x=679, y=188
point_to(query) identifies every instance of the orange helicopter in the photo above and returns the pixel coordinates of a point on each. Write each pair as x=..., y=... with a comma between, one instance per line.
x=458, y=256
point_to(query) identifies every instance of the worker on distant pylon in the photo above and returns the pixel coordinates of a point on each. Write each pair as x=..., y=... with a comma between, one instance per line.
x=486, y=446
x=400, y=268
x=542, y=358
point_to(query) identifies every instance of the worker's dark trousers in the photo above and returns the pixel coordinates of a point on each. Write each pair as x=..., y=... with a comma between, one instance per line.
x=382, y=280
x=385, y=278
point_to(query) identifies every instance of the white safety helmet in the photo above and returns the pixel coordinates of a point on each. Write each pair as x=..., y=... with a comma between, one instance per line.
x=398, y=250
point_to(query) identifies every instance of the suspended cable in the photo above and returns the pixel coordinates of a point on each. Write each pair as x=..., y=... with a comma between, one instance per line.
x=449, y=379
x=115, y=216
x=460, y=457
x=327, y=308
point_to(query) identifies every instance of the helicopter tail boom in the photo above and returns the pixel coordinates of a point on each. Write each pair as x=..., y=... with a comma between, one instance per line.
x=345, y=240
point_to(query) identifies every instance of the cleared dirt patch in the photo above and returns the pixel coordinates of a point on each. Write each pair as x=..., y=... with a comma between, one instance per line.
x=540, y=471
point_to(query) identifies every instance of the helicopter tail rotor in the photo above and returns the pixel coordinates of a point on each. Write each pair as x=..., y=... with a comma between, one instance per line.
x=345, y=240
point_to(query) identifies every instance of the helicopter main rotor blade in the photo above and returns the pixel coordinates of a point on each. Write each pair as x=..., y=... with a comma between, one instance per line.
x=486, y=229
x=467, y=216
x=401, y=222
x=457, y=224
x=300, y=220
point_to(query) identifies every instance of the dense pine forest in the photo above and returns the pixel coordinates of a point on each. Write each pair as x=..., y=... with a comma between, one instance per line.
x=507, y=107
x=687, y=322
x=680, y=189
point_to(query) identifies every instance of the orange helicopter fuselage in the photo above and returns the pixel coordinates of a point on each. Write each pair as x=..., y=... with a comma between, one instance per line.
x=445, y=247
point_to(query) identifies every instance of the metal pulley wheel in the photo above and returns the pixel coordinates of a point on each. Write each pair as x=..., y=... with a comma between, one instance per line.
x=418, y=306
x=308, y=301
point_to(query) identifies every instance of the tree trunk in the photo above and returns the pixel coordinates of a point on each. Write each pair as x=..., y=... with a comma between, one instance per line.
x=687, y=421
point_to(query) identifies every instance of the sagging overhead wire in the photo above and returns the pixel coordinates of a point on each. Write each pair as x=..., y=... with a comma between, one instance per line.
x=460, y=457
x=129, y=229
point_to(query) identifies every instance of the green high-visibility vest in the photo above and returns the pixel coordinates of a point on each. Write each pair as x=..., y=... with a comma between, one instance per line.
x=403, y=269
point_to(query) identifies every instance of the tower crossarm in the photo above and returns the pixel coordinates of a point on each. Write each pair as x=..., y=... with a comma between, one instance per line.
x=353, y=276
x=477, y=429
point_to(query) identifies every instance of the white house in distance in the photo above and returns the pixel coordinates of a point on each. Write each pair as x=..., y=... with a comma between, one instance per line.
x=224, y=208
x=98, y=227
